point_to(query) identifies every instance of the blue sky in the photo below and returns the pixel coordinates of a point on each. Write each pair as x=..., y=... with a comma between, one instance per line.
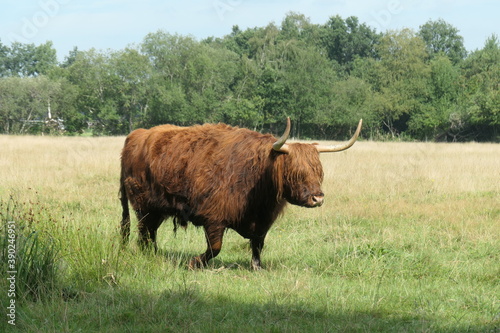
x=114, y=24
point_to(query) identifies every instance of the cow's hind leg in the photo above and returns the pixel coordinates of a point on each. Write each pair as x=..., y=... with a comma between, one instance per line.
x=148, y=225
x=214, y=237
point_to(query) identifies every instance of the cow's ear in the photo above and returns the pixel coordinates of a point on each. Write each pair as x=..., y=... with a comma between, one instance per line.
x=285, y=149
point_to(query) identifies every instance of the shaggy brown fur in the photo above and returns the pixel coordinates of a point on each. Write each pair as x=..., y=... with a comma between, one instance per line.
x=215, y=176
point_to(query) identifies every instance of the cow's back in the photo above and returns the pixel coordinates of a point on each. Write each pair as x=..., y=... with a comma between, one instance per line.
x=209, y=169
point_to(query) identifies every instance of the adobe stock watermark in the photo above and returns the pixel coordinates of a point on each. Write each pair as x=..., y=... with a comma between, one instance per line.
x=33, y=24
x=224, y=6
x=383, y=17
x=11, y=272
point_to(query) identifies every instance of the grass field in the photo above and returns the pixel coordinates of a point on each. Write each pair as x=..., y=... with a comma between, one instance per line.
x=408, y=240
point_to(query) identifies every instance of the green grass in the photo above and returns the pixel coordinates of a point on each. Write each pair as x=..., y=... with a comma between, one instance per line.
x=420, y=255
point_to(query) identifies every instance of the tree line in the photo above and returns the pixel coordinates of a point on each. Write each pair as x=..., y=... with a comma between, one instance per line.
x=415, y=85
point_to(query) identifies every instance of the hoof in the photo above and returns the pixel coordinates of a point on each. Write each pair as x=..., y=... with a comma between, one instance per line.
x=196, y=263
x=256, y=266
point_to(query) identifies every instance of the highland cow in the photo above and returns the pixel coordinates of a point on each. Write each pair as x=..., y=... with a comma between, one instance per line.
x=218, y=177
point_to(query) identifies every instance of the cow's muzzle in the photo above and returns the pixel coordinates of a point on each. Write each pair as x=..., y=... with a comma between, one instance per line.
x=318, y=200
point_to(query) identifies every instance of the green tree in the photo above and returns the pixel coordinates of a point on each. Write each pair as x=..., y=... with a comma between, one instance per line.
x=351, y=99
x=132, y=72
x=191, y=80
x=45, y=58
x=238, y=40
x=308, y=76
x=10, y=94
x=482, y=99
x=404, y=76
x=30, y=60
x=25, y=102
x=97, y=98
x=18, y=59
x=441, y=37
x=325, y=76
x=299, y=27
x=244, y=106
x=439, y=118
x=4, y=53
x=70, y=58
x=344, y=40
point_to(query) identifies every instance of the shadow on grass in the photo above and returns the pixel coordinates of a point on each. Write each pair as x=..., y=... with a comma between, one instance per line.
x=186, y=308
x=181, y=260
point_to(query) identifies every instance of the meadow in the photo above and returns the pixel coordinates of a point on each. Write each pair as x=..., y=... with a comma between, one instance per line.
x=407, y=241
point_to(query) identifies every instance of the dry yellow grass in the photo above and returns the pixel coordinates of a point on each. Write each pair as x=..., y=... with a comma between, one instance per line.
x=60, y=168
x=371, y=179
x=451, y=190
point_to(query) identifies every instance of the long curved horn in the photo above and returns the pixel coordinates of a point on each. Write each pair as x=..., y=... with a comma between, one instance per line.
x=280, y=144
x=331, y=149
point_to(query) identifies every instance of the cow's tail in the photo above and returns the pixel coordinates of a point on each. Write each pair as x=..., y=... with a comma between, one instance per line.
x=125, y=223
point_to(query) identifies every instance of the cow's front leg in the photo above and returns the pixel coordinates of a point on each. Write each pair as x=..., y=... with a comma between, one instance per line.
x=257, y=243
x=214, y=236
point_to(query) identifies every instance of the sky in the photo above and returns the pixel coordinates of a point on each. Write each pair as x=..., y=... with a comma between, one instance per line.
x=116, y=24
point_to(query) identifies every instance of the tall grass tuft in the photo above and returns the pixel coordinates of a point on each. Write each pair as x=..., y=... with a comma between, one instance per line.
x=37, y=252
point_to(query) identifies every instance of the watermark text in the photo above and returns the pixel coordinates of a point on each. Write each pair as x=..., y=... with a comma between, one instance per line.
x=11, y=272
x=383, y=17
x=33, y=24
x=224, y=6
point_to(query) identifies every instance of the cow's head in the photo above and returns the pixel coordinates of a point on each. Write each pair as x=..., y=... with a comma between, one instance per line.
x=302, y=173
